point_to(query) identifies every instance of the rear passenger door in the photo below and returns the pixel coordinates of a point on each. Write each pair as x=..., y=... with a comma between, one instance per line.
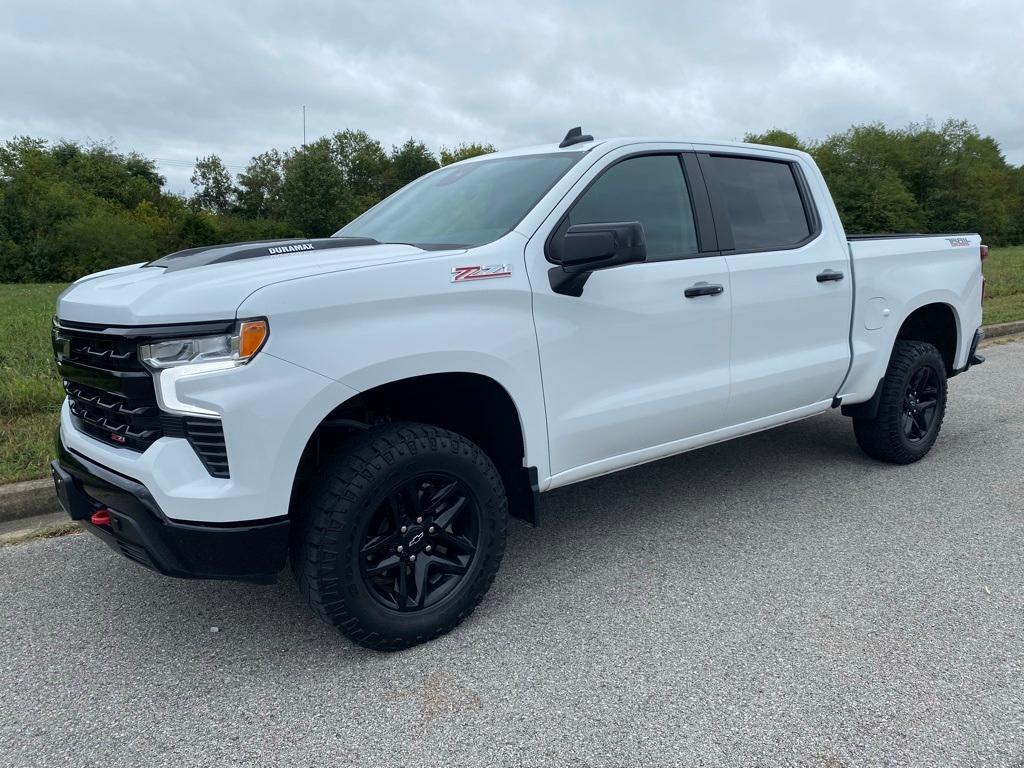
x=792, y=290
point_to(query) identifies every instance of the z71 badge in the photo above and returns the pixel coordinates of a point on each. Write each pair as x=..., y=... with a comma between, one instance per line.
x=461, y=274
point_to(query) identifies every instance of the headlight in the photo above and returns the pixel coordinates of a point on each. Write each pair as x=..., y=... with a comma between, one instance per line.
x=235, y=348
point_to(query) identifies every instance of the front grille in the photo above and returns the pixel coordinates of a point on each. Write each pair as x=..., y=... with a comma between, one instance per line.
x=112, y=397
x=110, y=392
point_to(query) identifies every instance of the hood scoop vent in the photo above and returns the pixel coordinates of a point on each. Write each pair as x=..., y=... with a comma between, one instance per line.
x=219, y=254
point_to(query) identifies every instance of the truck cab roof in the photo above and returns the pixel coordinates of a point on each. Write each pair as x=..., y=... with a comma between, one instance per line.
x=617, y=142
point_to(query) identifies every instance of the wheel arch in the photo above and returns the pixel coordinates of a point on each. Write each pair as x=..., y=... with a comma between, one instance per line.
x=934, y=321
x=472, y=404
x=937, y=323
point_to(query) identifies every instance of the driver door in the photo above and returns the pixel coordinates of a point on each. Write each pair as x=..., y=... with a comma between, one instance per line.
x=634, y=368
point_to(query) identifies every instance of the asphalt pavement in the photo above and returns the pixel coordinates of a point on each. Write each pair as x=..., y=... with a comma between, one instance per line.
x=776, y=600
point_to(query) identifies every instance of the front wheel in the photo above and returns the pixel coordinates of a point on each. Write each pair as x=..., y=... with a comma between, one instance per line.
x=403, y=534
x=911, y=408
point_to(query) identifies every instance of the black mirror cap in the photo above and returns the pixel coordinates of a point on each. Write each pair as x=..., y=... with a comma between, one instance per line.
x=587, y=247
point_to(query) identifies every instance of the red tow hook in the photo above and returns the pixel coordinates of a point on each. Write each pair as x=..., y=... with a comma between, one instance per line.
x=101, y=517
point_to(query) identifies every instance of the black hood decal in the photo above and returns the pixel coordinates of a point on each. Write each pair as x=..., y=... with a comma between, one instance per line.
x=218, y=254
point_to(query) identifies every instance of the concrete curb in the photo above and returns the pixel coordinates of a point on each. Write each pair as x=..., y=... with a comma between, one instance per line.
x=36, y=497
x=1003, y=329
x=28, y=499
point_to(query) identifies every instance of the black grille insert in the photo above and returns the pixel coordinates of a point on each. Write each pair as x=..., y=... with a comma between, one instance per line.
x=111, y=353
x=207, y=439
x=111, y=417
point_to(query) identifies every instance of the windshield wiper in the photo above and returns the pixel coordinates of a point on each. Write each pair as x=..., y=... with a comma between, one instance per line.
x=421, y=246
x=354, y=237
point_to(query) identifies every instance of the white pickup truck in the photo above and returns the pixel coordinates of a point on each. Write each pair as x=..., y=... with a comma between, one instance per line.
x=377, y=403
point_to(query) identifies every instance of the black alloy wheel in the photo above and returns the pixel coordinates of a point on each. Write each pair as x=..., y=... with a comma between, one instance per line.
x=920, y=403
x=420, y=543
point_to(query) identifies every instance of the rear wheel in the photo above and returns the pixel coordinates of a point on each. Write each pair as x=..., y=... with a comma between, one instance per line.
x=403, y=535
x=911, y=408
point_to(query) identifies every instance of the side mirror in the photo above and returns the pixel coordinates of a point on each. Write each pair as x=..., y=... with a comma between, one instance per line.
x=585, y=248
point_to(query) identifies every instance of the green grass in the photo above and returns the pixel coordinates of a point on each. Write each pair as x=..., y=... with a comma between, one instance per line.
x=46, y=532
x=1004, y=273
x=30, y=392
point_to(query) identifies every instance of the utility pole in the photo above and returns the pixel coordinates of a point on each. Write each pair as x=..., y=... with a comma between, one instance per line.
x=303, y=125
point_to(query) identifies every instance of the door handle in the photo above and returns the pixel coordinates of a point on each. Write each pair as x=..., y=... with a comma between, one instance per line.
x=703, y=289
x=829, y=275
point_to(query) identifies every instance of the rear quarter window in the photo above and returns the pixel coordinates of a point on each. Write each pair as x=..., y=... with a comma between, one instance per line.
x=763, y=201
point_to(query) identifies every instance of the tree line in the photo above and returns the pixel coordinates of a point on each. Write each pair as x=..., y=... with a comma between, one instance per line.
x=922, y=178
x=67, y=209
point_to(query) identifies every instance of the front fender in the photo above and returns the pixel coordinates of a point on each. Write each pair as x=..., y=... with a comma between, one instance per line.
x=368, y=327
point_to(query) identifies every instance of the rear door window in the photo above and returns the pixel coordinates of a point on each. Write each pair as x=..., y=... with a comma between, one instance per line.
x=766, y=211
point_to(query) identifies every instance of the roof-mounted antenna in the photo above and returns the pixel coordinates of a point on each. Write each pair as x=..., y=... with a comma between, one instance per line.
x=575, y=136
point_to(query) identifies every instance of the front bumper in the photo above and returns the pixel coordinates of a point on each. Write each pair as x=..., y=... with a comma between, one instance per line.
x=254, y=551
x=269, y=410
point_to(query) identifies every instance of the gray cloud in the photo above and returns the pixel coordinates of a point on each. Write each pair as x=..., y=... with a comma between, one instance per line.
x=176, y=80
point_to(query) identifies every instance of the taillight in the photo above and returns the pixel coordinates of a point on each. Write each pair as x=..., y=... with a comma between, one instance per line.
x=983, y=250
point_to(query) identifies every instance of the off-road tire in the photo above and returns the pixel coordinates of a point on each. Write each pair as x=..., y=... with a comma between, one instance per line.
x=884, y=437
x=351, y=485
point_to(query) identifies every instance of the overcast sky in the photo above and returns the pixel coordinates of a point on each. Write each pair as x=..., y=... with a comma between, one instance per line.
x=190, y=77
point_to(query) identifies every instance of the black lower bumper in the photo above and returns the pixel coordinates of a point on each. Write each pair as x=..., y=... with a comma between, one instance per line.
x=139, y=530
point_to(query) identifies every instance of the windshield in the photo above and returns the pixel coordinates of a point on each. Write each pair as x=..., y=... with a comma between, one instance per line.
x=463, y=205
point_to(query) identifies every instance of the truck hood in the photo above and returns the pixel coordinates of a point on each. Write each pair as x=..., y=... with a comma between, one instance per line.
x=210, y=283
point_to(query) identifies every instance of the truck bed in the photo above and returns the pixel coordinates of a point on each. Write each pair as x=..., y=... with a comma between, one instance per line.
x=902, y=235
x=889, y=271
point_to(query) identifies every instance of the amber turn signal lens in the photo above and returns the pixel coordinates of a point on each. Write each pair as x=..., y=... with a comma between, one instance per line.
x=251, y=336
